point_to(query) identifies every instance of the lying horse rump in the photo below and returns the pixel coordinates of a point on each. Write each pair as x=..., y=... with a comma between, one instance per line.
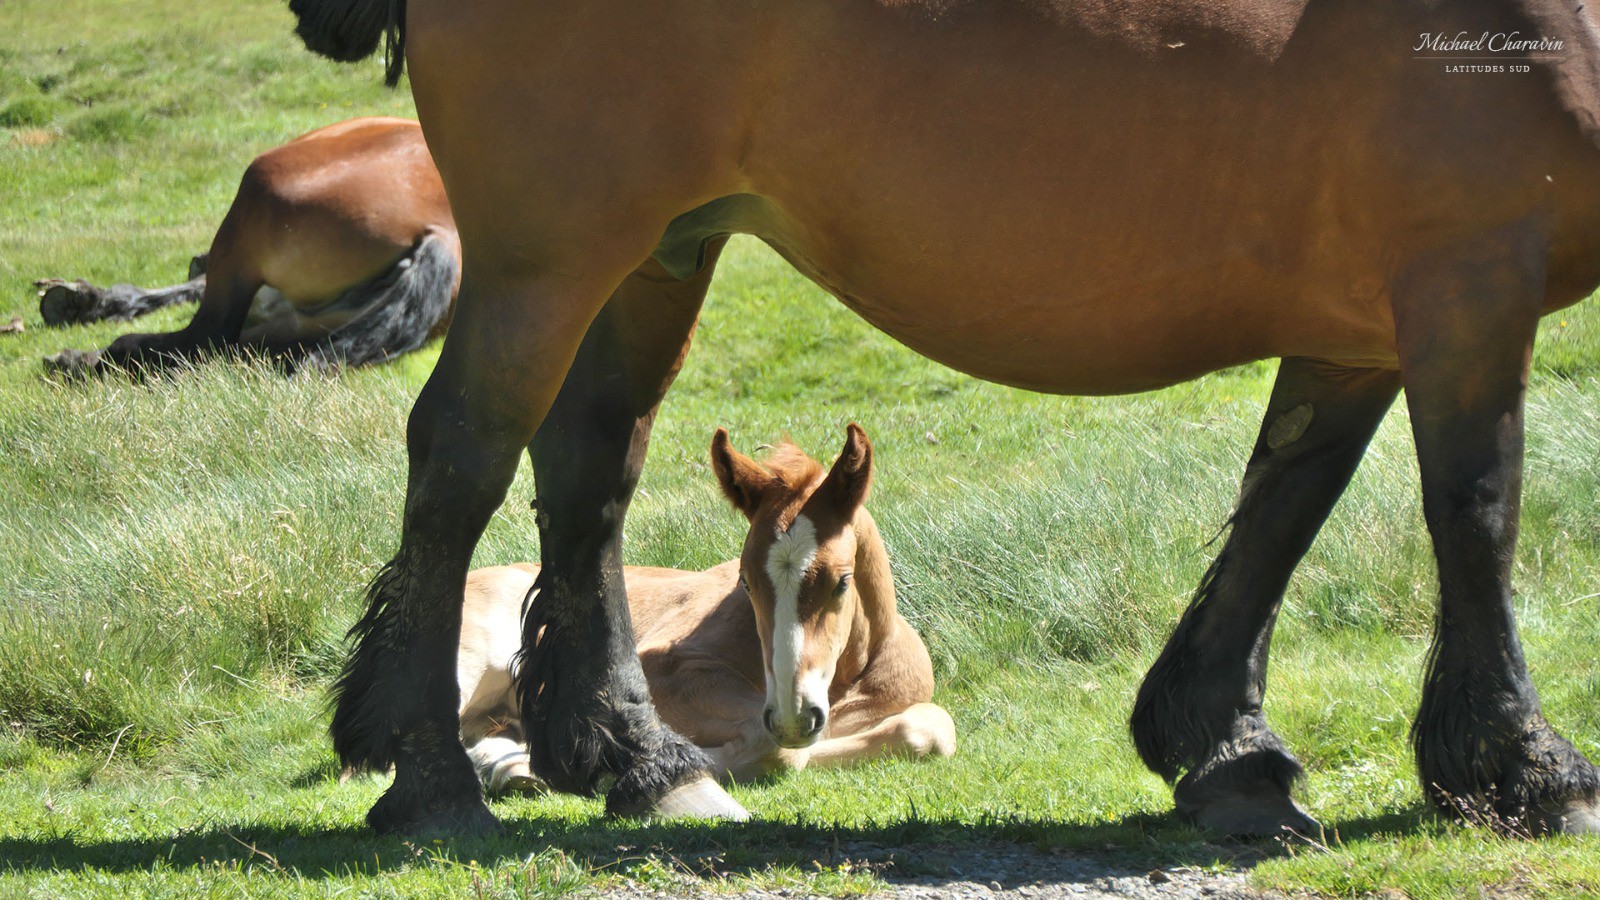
x=339, y=250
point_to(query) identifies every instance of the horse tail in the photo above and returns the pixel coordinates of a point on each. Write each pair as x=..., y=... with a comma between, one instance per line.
x=400, y=309
x=348, y=30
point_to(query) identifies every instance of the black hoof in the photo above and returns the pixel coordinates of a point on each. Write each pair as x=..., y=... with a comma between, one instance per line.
x=406, y=813
x=1264, y=812
x=66, y=302
x=1245, y=795
x=1535, y=785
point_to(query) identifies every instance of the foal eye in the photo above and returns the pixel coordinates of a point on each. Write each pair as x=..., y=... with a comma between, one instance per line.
x=844, y=584
x=743, y=584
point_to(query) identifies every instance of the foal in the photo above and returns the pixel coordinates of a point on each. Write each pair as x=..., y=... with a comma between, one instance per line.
x=791, y=655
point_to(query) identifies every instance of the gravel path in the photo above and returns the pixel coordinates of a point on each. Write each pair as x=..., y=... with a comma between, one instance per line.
x=1010, y=871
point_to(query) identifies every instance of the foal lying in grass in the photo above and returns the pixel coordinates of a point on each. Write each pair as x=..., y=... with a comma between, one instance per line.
x=791, y=655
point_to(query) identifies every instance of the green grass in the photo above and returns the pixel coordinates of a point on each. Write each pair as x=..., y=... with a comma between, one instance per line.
x=178, y=559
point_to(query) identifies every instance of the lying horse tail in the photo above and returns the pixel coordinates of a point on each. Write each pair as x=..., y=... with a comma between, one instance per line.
x=348, y=30
x=400, y=310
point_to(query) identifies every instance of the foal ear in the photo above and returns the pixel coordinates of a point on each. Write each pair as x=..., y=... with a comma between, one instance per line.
x=742, y=479
x=851, y=475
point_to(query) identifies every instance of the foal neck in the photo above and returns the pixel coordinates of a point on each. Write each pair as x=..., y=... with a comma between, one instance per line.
x=877, y=615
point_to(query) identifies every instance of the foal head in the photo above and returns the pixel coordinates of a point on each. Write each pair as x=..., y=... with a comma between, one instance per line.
x=798, y=566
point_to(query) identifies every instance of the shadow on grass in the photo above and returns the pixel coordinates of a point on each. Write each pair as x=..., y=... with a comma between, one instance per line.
x=915, y=847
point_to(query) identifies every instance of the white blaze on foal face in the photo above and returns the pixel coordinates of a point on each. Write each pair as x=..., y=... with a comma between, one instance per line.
x=797, y=681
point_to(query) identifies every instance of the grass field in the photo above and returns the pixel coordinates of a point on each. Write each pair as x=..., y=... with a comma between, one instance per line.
x=179, y=559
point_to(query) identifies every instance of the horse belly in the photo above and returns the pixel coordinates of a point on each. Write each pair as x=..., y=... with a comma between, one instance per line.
x=1039, y=209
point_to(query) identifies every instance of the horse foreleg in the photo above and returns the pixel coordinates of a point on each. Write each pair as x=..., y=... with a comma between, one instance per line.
x=919, y=731
x=397, y=698
x=1465, y=318
x=1199, y=709
x=586, y=704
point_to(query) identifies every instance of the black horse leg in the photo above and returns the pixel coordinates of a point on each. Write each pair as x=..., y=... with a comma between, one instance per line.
x=396, y=700
x=224, y=306
x=585, y=701
x=64, y=302
x=1199, y=709
x=1465, y=319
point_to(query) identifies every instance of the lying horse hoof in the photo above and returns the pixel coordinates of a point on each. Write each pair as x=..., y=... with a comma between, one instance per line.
x=699, y=798
x=414, y=816
x=64, y=302
x=73, y=363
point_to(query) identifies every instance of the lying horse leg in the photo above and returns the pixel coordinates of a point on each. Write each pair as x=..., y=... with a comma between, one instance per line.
x=1465, y=318
x=586, y=704
x=1199, y=709
x=229, y=289
x=396, y=312
x=920, y=730
x=501, y=762
x=64, y=302
x=397, y=699
x=215, y=326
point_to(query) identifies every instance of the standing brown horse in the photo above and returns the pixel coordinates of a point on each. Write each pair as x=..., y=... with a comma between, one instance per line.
x=792, y=655
x=339, y=250
x=1067, y=195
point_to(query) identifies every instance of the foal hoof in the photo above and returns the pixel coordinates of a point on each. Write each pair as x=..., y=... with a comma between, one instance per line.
x=699, y=798
x=64, y=302
x=394, y=814
x=526, y=785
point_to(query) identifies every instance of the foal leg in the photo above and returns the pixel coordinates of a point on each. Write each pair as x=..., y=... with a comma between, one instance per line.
x=917, y=732
x=1199, y=709
x=1465, y=319
x=586, y=704
x=397, y=699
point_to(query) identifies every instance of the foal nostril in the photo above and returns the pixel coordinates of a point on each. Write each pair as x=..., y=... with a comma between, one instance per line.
x=815, y=718
x=766, y=719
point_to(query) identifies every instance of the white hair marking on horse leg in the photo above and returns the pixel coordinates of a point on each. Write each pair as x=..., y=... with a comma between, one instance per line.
x=787, y=561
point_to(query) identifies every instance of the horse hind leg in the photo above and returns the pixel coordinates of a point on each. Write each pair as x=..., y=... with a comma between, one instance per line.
x=398, y=311
x=397, y=699
x=1199, y=711
x=1465, y=319
x=63, y=302
x=586, y=703
x=229, y=288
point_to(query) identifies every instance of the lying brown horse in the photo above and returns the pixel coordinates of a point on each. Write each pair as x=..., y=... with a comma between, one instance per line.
x=339, y=250
x=812, y=665
x=1074, y=196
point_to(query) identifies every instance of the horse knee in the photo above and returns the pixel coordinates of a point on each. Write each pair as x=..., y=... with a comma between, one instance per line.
x=925, y=731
